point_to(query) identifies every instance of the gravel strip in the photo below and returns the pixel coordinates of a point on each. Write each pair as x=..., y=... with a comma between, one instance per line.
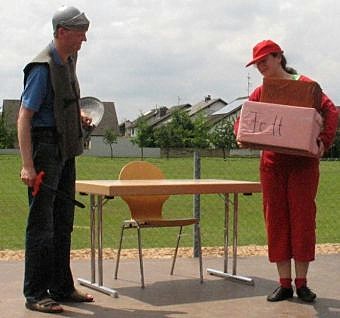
x=250, y=250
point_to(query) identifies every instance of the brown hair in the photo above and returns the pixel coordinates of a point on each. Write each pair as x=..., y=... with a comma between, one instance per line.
x=288, y=69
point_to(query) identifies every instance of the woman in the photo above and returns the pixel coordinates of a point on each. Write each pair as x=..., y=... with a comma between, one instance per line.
x=289, y=186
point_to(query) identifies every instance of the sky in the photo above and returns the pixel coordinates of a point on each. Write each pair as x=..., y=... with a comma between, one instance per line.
x=143, y=54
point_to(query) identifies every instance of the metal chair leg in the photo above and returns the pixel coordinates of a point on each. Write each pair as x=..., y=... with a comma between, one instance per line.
x=140, y=256
x=119, y=250
x=176, y=250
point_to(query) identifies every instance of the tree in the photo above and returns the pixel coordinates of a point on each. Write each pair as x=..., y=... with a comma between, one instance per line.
x=144, y=137
x=183, y=132
x=163, y=138
x=110, y=138
x=334, y=151
x=181, y=127
x=201, y=135
x=223, y=137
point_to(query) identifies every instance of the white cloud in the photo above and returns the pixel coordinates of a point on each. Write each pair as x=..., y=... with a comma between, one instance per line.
x=151, y=52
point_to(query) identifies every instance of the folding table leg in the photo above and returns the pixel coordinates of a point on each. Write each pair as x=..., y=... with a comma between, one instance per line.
x=225, y=274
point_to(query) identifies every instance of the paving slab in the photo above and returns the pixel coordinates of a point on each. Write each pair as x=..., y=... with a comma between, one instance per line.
x=182, y=295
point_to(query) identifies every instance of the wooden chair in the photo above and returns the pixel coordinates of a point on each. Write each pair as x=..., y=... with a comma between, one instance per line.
x=146, y=212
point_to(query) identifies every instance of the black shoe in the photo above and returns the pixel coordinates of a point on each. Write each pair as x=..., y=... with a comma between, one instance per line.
x=281, y=293
x=305, y=294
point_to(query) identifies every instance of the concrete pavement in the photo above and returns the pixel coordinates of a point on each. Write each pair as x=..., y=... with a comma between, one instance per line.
x=182, y=295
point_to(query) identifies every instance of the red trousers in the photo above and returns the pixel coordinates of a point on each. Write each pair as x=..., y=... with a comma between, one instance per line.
x=289, y=185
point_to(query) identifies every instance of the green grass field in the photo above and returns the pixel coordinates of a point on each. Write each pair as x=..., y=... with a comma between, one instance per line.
x=14, y=208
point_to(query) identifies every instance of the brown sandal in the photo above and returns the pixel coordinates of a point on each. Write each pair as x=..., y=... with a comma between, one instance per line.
x=47, y=305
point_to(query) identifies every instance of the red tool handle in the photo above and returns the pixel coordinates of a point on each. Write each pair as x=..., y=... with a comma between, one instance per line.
x=37, y=183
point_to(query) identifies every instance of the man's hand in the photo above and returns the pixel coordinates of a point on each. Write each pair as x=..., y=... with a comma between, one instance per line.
x=28, y=176
x=85, y=120
x=28, y=173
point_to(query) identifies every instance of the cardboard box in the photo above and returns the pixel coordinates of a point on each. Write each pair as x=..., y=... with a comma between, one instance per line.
x=291, y=92
x=280, y=128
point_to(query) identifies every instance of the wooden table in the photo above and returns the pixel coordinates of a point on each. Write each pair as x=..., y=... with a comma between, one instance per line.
x=99, y=189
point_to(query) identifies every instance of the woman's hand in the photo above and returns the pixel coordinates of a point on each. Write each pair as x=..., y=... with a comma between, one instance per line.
x=240, y=145
x=321, y=148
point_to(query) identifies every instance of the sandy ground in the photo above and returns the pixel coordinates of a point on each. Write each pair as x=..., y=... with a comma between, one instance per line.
x=250, y=250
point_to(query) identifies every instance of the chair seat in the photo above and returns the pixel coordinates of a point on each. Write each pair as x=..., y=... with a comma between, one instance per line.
x=160, y=222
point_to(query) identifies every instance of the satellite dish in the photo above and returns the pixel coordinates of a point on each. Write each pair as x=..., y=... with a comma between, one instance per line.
x=93, y=108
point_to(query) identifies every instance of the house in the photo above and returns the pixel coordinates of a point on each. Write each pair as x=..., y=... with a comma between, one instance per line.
x=156, y=118
x=160, y=116
x=167, y=117
x=10, y=110
x=97, y=147
x=229, y=112
x=109, y=120
x=149, y=116
x=125, y=128
x=207, y=107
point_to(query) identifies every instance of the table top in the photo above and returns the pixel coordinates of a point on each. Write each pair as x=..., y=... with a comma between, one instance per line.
x=166, y=186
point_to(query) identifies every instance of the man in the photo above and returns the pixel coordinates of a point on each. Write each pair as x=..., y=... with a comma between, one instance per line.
x=50, y=136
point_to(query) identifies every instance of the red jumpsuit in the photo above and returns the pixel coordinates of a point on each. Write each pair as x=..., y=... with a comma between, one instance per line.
x=289, y=185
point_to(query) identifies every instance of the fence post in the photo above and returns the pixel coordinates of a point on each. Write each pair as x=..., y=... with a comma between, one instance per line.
x=197, y=201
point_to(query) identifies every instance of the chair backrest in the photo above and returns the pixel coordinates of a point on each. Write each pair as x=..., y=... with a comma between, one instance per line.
x=146, y=206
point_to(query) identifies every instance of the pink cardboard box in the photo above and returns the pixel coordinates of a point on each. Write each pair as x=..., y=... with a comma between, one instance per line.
x=279, y=128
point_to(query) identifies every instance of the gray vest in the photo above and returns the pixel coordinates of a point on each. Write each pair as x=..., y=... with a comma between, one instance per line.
x=66, y=102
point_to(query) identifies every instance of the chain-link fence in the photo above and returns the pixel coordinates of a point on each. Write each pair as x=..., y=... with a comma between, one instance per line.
x=14, y=206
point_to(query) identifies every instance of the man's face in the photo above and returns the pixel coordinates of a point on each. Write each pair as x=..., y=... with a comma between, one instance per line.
x=70, y=40
x=73, y=39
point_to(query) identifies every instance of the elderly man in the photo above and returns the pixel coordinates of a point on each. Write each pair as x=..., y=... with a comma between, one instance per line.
x=50, y=137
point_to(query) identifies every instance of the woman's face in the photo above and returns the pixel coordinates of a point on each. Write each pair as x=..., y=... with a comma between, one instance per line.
x=269, y=66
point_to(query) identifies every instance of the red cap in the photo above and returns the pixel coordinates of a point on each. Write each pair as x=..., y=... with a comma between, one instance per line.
x=264, y=48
